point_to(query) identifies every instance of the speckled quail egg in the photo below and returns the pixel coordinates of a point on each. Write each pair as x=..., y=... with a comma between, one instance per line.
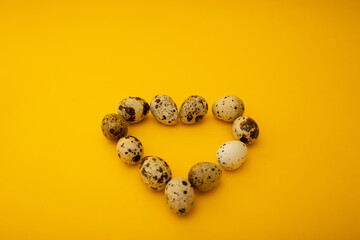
x=228, y=108
x=180, y=195
x=193, y=109
x=133, y=109
x=155, y=172
x=164, y=109
x=129, y=150
x=231, y=154
x=205, y=176
x=114, y=127
x=245, y=129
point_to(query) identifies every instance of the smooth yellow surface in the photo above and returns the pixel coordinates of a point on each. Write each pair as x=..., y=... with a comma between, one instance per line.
x=65, y=64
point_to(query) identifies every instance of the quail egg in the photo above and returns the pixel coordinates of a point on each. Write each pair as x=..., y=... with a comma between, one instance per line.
x=245, y=129
x=164, y=109
x=155, y=172
x=228, y=108
x=231, y=155
x=129, y=150
x=205, y=176
x=193, y=109
x=133, y=109
x=180, y=195
x=114, y=127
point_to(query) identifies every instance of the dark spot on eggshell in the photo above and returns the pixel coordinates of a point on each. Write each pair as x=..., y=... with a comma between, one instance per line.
x=129, y=111
x=162, y=177
x=184, y=183
x=146, y=108
x=198, y=118
x=189, y=117
x=254, y=134
x=248, y=124
x=181, y=210
x=136, y=158
x=244, y=139
x=245, y=127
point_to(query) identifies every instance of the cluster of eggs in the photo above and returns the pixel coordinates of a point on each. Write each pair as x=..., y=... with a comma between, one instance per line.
x=154, y=171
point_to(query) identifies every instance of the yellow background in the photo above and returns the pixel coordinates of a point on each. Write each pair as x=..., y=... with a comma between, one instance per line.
x=65, y=64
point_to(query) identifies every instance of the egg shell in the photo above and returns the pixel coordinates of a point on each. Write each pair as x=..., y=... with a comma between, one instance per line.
x=193, y=109
x=245, y=129
x=133, y=109
x=129, y=150
x=232, y=154
x=155, y=172
x=114, y=126
x=180, y=195
x=228, y=108
x=205, y=176
x=164, y=109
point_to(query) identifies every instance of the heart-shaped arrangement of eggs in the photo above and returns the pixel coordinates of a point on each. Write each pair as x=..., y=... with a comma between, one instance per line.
x=154, y=171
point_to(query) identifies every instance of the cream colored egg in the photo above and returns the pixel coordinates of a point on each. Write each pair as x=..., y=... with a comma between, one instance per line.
x=228, y=108
x=155, y=172
x=129, y=150
x=245, y=129
x=164, y=109
x=133, y=109
x=114, y=126
x=205, y=176
x=180, y=195
x=193, y=109
x=232, y=154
